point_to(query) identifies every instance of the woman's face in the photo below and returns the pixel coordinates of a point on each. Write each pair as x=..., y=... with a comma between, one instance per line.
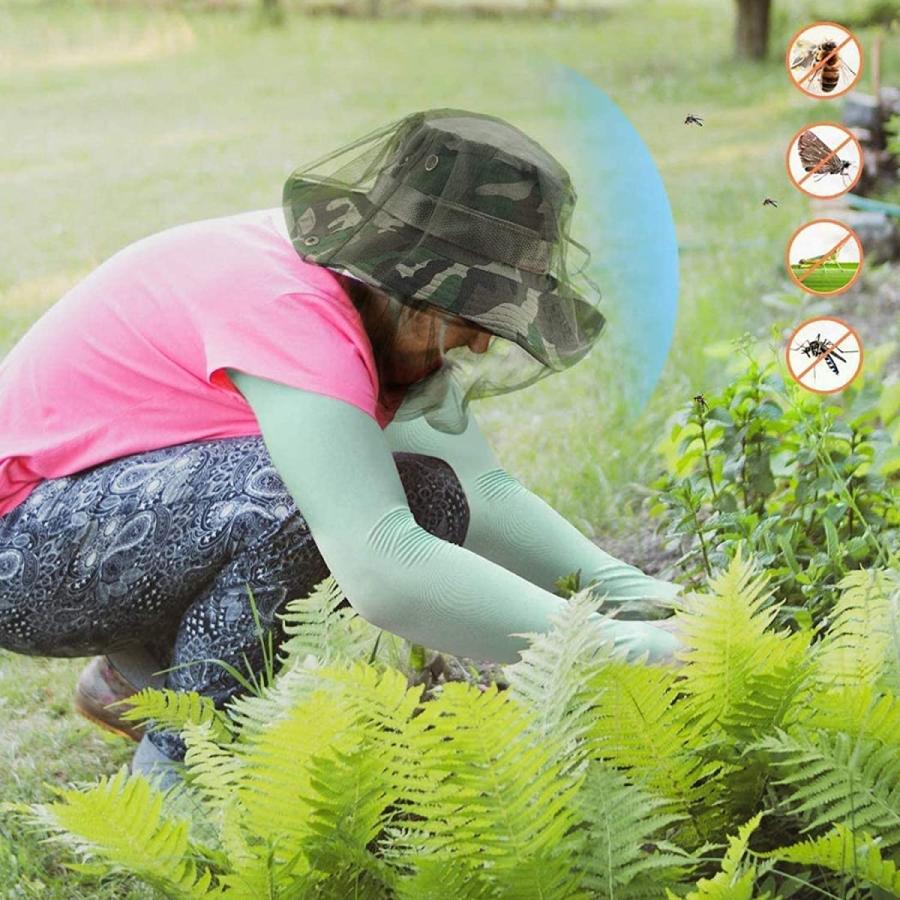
x=417, y=349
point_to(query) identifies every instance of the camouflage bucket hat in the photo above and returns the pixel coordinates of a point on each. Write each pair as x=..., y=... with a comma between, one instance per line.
x=459, y=212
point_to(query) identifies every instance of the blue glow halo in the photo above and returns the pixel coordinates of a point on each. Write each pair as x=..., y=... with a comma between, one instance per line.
x=623, y=215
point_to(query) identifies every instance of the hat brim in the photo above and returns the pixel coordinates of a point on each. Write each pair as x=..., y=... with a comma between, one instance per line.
x=341, y=229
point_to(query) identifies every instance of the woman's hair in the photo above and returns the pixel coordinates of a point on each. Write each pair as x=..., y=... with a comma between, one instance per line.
x=383, y=322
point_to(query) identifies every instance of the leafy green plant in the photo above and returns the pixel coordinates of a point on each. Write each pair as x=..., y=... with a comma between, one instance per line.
x=589, y=777
x=893, y=135
x=808, y=484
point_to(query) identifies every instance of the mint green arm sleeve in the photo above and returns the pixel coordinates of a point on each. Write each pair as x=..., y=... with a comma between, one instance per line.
x=516, y=529
x=337, y=465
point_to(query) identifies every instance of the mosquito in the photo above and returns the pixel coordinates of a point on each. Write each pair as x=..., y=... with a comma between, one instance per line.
x=816, y=348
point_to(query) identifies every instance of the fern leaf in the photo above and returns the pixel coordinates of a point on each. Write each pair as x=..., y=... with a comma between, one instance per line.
x=314, y=625
x=293, y=685
x=486, y=793
x=835, y=779
x=211, y=767
x=738, y=676
x=350, y=792
x=772, y=694
x=552, y=679
x=639, y=727
x=863, y=643
x=434, y=879
x=381, y=699
x=735, y=881
x=843, y=851
x=324, y=762
x=621, y=821
x=276, y=766
x=859, y=710
x=119, y=822
x=175, y=709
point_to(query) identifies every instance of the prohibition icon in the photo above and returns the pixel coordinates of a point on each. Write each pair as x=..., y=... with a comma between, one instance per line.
x=824, y=257
x=824, y=60
x=824, y=355
x=824, y=160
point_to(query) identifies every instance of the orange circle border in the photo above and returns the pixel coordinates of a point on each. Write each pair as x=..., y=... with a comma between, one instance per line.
x=840, y=290
x=787, y=61
x=853, y=137
x=849, y=327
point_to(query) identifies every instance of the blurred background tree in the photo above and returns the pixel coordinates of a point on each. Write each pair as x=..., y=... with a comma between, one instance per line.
x=751, y=34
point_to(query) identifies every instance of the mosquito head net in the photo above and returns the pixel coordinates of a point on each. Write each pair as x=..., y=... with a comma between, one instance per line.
x=449, y=231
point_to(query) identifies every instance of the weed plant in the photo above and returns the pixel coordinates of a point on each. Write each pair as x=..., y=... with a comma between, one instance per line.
x=807, y=483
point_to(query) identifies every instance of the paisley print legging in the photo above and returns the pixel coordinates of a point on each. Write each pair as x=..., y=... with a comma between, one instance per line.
x=157, y=549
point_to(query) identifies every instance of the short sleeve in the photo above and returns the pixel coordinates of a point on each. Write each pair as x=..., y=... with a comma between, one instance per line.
x=301, y=340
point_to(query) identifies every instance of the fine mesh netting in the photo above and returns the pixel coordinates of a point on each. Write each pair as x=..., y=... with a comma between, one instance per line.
x=445, y=227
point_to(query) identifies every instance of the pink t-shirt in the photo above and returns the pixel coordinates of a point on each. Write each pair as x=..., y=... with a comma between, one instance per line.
x=133, y=357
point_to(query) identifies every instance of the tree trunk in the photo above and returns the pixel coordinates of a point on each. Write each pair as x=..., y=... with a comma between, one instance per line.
x=752, y=29
x=272, y=12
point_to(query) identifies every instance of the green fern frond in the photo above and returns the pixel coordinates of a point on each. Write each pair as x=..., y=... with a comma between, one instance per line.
x=486, y=791
x=294, y=683
x=381, y=699
x=175, y=709
x=350, y=793
x=434, y=879
x=253, y=875
x=638, y=726
x=772, y=696
x=842, y=851
x=303, y=770
x=552, y=678
x=314, y=625
x=119, y=822
x=835, y=779
x=317, y=782
x=276, y=777
x=890, y=677
x=213, y=770
x=863, y=643
x=736, y=880
x=319, y=635
x=859, y=710
x=738, y=675
x=621, y=822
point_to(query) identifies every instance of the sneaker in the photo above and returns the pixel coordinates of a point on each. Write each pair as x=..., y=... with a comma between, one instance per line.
x=99, y=685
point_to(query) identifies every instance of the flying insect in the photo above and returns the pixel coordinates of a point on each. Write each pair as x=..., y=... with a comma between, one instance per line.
x=813, y=150
x=816, y=348
x=769, y=202
x=691, y=119
x=825, y=55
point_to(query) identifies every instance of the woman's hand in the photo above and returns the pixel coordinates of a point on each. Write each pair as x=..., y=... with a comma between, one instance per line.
x=674, y=626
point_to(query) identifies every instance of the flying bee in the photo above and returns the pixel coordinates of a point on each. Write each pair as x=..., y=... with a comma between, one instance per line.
x=813, y=150
x=700, y=400
x=691, y=119
x=769, y=202
x=828, y=75
x=815, y=348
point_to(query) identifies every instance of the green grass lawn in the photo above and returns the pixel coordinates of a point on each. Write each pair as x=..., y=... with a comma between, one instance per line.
x=828, y=277
x=119, y=122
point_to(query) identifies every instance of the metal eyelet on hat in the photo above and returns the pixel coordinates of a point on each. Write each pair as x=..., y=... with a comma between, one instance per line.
x=431, y=162
x=311, y=240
